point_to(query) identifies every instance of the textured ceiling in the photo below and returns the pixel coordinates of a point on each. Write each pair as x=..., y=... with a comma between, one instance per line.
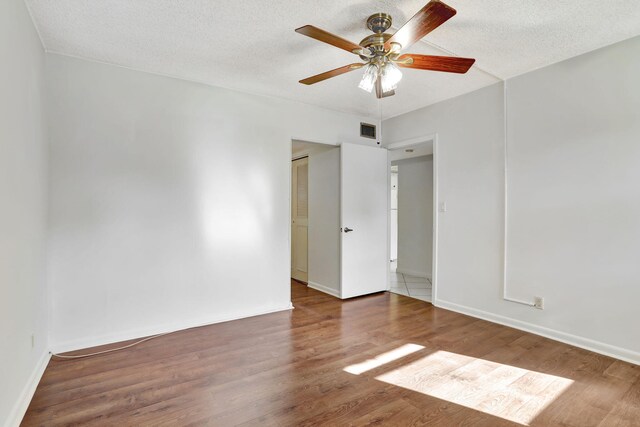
x=250, y=45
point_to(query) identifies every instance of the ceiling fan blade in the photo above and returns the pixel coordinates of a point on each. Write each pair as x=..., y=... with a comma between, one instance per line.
x=430, y=17
x=328, y=74
x=326, y=37
x=448, y=64
x=379, y=93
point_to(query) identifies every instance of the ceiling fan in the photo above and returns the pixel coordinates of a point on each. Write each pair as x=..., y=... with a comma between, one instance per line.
x=381, y=51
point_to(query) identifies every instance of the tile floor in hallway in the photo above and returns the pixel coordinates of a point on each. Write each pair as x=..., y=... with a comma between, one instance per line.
x=412, y=286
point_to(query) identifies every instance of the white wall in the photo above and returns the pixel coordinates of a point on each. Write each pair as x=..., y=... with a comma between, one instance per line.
x=415, y=216
x=23, y=191
x=574, y=192
x=169, y=200
x=574, y=199
x=324, y=220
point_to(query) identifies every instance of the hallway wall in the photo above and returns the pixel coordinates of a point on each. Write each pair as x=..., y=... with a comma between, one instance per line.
x=415, y=216
x=324, y=220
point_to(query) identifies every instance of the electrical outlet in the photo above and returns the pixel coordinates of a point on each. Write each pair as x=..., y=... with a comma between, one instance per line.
x=538, y=303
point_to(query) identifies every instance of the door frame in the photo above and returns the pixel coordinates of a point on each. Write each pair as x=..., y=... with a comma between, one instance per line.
x=409, y=143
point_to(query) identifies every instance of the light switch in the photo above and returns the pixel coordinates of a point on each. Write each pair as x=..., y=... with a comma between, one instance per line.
x=443, y=206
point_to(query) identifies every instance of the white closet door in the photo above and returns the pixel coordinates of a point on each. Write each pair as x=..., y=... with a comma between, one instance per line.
x=364, y=211
x=299, y=219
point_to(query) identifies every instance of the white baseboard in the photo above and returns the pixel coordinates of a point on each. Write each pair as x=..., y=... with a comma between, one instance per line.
x=20, y=408
x=574, y=340
x=414, y=273
x=145, y=332
x=325, y=289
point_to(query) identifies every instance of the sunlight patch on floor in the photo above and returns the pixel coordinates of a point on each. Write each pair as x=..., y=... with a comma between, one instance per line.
x=508, y=392
x=383, y=358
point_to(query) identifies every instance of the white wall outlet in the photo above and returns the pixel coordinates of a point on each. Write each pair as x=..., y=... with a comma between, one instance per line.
x=443, y=206
x=538, y=303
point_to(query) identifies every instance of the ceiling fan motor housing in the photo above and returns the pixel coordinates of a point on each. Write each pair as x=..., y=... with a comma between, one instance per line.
x=375, y=43
x=378, y=23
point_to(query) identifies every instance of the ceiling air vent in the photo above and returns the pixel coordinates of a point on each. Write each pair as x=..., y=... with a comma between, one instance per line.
x=367, y=130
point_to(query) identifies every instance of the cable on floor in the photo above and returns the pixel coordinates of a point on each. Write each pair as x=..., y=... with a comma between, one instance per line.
x=80, y=356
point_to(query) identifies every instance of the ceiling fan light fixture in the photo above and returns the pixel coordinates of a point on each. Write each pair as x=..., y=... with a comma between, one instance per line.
x=369, y=78
x=391, y=76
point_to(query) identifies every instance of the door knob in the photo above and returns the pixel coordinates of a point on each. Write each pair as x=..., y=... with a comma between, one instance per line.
x=348, y=230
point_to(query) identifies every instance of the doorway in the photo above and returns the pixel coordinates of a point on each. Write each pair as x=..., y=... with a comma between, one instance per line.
x=315, y=215
x=411, y=221
x=338, y=218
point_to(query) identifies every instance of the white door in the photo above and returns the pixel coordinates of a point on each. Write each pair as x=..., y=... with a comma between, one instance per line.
x=364, y=210
x=299, y=218
x=393, y=219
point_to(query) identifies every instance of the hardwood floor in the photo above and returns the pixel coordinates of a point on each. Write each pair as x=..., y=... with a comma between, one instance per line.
x=383, y=359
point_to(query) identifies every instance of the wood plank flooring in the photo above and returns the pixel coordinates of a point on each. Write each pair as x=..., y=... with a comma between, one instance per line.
x=383, y=359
